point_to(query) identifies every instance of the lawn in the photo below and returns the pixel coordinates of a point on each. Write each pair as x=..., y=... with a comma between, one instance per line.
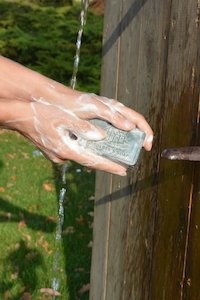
x=43, y=38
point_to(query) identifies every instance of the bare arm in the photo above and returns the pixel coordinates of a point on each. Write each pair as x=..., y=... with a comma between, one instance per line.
x=38, y=107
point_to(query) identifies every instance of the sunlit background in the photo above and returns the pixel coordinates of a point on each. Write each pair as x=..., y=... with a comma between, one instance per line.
x=42, y=35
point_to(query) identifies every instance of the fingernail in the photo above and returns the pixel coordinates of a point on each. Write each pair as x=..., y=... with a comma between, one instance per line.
x=121, y=173
x=149, y=140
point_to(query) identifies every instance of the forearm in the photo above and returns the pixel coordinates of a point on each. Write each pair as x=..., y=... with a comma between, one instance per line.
x=5, y=112
x=47, y=113
x=17, y=85
x=19, y=82
x=11, y=111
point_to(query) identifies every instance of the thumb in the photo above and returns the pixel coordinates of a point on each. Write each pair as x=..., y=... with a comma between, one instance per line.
x=83, y=129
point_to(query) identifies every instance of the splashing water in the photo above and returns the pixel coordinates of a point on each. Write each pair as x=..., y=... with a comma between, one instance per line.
x=85, y=4
x=56, y=281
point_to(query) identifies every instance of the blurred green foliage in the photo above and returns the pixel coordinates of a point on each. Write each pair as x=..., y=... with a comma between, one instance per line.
x=53, y=2
x=41, y=34
x=44, y=37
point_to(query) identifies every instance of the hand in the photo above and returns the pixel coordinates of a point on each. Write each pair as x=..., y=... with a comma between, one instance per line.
x=48, y=121
x=47, y=112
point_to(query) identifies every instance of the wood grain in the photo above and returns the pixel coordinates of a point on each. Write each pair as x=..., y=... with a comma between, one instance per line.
x=144, y=224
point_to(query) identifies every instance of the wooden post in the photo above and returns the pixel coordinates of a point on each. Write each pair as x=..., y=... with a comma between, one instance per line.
x=146, y=224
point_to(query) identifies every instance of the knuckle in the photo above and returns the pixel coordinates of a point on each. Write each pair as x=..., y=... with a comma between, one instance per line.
x=56, y=160
x=62, y=155
x=141, y=119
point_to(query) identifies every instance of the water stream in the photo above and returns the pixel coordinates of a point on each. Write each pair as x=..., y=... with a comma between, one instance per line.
x=58, y=237
x=83, y=16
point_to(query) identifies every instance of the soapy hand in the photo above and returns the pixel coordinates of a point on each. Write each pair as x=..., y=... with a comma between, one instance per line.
x=52, y=116
x=52, y=122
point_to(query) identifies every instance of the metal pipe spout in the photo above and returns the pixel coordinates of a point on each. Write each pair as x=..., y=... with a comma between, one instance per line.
x=182, y=153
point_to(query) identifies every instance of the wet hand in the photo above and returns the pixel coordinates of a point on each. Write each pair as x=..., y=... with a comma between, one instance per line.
x=50, y=120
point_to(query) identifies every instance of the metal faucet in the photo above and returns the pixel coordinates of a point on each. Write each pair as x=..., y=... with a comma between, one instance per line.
x=183, y=153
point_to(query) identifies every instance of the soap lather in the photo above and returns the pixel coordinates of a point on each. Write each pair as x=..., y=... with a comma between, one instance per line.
x=119, y=145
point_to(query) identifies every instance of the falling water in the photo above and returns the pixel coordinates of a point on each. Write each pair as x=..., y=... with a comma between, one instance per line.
x=83, y=16
x=56, y=281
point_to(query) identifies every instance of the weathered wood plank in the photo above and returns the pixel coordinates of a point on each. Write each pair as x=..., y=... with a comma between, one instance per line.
x=151, y=64
x=192, y=264
x=144, y=57
x=120, y=210
x=192, y=276
x=175, y=178
x=101, y=229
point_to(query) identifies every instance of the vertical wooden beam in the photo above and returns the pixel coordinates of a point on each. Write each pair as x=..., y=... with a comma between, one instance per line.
x=132, y=203
x=192, y=276
x=179, y=126
x=192, y=272
x=143, y=53
x=150, y=63
x=102, y=214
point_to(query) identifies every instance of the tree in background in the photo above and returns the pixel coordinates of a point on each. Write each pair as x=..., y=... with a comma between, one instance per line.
x=53, y=2
x=43, y=38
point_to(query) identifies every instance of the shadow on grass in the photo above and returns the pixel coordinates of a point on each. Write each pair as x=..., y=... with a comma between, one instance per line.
x=77, y=229
x=22, y=263
x=14, y=213
x=1, y=164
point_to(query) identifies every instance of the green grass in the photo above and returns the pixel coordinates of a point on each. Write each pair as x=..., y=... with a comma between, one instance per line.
x=28, y=215
x=43, y=38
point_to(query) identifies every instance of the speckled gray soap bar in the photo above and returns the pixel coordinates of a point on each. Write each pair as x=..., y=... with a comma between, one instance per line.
x=120, y=146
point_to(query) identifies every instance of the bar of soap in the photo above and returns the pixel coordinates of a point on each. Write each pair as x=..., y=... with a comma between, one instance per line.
x=119, y=145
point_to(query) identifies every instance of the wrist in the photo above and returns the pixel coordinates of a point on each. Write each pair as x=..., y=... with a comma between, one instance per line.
x=23, y=84
x=5, y=112
x=19, y=82
x=11, y=111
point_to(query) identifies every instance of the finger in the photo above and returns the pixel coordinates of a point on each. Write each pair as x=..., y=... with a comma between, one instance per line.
x=141, y=123
x=125, y=118
x=128, y=119
x=83, y=129
x=138, y=120
x=117, y=120
x=148, y=142
x=134, y=116
x=94, y=161
x=51, y=156
x=107, y=109
x=56, y=160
